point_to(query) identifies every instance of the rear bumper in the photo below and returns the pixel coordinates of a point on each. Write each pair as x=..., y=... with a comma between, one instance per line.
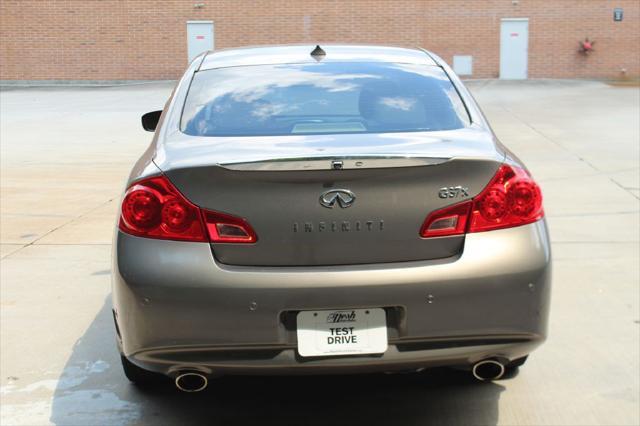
x=177, y=308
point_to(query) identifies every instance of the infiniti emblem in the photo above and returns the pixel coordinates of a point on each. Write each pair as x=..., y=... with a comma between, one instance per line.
x=343, y=197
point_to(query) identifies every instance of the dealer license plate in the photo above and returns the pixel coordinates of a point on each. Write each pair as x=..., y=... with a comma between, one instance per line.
x=342, y=332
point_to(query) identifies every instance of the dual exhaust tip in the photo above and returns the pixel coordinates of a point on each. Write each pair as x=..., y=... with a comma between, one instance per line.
x=487, y=370
x=191, y=381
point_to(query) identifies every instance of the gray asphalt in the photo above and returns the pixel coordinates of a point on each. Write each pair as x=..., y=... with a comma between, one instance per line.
x=65, y=153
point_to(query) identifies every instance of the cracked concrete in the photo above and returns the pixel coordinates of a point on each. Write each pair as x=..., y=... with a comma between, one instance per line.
x=65, y=153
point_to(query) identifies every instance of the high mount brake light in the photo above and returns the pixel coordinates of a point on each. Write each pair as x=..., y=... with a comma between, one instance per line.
x=512, y=198
x=154, y=208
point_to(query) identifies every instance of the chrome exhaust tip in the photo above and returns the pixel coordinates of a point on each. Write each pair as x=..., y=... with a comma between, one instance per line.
x=191, y=381
x=488, y=370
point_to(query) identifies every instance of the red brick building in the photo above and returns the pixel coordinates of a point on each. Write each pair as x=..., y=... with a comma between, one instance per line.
x=144, y=39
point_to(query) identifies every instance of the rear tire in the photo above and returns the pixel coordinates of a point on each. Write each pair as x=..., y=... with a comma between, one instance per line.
x=138, y=375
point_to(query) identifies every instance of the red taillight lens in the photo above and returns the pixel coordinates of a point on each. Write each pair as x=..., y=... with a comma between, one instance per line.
x=451, y=220
x=224, y=228
x=154, y=208
x=511, y=199
x=141, y=209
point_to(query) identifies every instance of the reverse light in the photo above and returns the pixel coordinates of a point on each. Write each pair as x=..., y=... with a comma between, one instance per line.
x=154, y=208
x=512, y=198
x=224, y=228
x=451, y=220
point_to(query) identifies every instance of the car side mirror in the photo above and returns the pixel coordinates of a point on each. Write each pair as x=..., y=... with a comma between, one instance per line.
x=150, y=120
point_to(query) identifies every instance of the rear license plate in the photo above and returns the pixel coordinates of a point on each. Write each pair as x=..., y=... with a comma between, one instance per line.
x=343, y=332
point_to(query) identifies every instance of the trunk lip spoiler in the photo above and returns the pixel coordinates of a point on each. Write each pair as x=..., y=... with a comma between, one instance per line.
x=352, y=162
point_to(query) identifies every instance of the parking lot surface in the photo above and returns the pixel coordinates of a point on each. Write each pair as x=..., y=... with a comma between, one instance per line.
x=65, y=153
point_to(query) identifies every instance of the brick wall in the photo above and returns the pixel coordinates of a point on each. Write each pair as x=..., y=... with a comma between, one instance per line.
x=144, y=39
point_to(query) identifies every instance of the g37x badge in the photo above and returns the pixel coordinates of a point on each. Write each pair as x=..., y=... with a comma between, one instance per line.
x=453, y=192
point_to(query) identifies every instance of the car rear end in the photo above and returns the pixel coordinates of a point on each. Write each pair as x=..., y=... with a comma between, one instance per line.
x=336, y=216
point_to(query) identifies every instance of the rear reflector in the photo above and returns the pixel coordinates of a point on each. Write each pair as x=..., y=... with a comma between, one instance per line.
x=154, y=208
x=511, y=199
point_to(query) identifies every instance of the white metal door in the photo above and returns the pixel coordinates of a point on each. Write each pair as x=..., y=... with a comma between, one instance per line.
x=199, y=37
x=514, y=48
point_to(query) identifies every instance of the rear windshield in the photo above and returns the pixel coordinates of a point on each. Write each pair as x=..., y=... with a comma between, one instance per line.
x=321, y=98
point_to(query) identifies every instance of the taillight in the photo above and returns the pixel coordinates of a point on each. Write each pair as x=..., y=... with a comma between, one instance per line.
x=511, y=199
x=154, y=208
x=451, y=220
x=224, y=228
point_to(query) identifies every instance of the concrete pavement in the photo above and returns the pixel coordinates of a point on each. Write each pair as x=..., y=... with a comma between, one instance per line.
x=65, y=153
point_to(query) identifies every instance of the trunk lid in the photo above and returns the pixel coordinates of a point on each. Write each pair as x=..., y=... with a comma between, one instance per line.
x=279, y=193
x=373, y=215
x=308, y=213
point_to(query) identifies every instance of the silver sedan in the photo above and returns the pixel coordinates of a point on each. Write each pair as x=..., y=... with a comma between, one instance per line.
x=327, y=209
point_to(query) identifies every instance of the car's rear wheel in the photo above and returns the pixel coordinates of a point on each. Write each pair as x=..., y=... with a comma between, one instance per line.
x=137, y=375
